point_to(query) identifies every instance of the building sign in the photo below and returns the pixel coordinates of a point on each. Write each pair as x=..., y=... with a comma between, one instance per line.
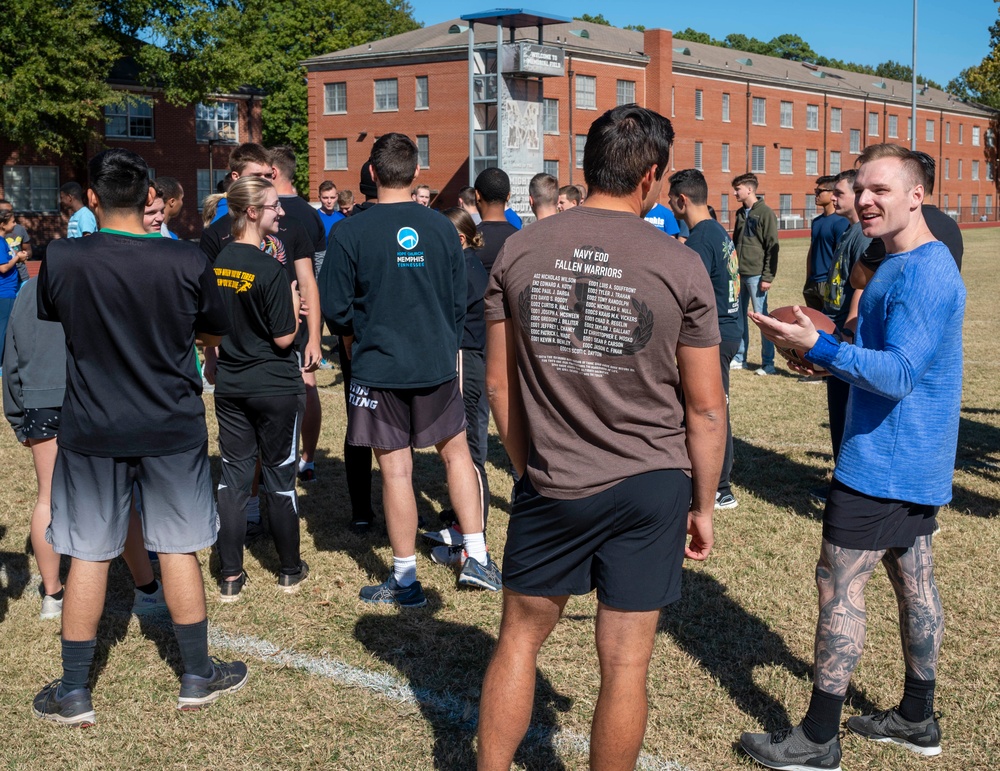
x=522, y=139
x=533, y=59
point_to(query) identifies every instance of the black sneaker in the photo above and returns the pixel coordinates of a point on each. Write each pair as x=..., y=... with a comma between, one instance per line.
x=72, y=709
x=391, y=593
x=307, y=475
x=229, y=591
x=923, y=738
x=289, y=583
x=791, y=750
x=198, y=692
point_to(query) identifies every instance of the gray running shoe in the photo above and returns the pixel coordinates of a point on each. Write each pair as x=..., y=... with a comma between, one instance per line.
x=51, y=608
x=923, y=738
x=481, y=576
x=789, y=749
x=72, y=709
x=197, y=692
x=391, y=593
x=148, y=604
x=727, y=501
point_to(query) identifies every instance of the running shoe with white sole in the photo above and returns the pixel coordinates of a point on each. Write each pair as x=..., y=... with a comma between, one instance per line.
x=51, y=608
x=790, y=750
x=480, y=576
x=923, y=738
x=197, y=692
x=73, y=709
x=391, y=593
x=450, y=536
x=451, y=556
x=148, y=604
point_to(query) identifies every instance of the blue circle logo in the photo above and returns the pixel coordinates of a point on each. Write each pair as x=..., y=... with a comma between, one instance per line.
x=407, y=238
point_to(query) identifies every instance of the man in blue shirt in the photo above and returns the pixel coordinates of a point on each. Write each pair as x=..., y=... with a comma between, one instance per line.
x=827, y=228
x=661, y=217
x=893, y=472
x=81, y=219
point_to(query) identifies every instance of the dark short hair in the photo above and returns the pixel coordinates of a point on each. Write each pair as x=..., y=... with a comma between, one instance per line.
x=120, y=180
x=622, y=145
x=930, y=168
x=467, y=195
x=326, y=185
x=283, y=156
x=849, y=174
x=571, y=192
x=690, y=182
x=830, y=180
x=544, y=189
x=171, y=187
x=746, y=179
x=248, y=152
x=394, y=158
x=73, y=190
x=493, y=185
x=366, y=185
x=915, y=163
x=158, y=188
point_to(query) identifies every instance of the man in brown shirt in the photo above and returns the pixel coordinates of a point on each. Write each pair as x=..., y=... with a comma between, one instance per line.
x=597, y=322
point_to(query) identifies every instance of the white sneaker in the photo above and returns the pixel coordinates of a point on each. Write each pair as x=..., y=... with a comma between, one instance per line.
x=765, y=371
x=146, y=604
x=450, y=536
x=448, y=555
x=736, y=364
x=51, y=608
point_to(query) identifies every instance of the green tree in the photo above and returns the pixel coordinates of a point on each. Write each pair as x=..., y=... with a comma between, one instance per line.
x=599, y=19
x=792, y=47
x=694, y=36
x=751, y=45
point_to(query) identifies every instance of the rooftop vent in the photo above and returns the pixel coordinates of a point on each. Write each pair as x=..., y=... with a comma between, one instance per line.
x=683, y=51
x=818, y=74
x=881, y=85
x=746, y=62
x=580, y=33
x=457, y=29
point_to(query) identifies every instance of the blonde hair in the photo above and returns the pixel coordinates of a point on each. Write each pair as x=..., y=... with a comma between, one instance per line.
x=463, y=223
x=246, y=192
x=209, y=207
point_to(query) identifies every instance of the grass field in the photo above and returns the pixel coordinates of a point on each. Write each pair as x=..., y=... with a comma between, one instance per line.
x=336, y=684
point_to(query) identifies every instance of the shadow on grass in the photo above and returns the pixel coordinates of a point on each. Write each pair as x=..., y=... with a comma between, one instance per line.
x=731, y=643
x=978, y=454
x=777, y=479
x=445, y=663
x=14, y=576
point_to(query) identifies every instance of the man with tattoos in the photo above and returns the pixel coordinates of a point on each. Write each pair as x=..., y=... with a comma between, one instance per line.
x=893, y=471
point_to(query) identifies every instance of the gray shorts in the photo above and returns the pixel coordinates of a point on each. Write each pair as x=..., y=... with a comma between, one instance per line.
x=91, y=497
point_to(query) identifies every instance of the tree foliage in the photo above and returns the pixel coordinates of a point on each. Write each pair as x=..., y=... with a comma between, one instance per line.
x=599, y=19
x=982, y=82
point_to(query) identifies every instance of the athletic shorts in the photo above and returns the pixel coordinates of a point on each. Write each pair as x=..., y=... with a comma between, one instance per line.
x=853, y=520
x=91, y=496
x=627, y=542
x=398, y=418
x=42, y=422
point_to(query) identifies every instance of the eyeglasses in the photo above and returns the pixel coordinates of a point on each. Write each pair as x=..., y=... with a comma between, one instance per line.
x=275, y=207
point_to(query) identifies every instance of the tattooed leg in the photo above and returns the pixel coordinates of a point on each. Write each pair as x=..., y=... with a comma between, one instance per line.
x=841, y=576
x=921, y=620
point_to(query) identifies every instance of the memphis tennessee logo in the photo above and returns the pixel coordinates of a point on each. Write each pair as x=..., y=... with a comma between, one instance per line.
x=408, y=238
x=235, y=279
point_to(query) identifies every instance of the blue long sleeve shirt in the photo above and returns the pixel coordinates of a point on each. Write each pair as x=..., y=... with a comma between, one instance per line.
x=905, y=373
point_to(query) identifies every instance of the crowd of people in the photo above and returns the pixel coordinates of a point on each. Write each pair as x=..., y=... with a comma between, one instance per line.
x=601, y=337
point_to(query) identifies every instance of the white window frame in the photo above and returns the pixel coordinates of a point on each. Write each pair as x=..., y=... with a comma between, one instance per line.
x=388, y=99
x=784, y=160
x=834, y=168
x=855, y=141
x=580, y=144
x=698, y=156
x=624, y=92
x=586, y=92
x=699, y=102
x=836, y=120
x=759, y=111
x=32, y=188
x=725, y=108
x=333, y=150
x=550, y=116
x=758, y=153
x=893, y=126
x=812, y=117
x=423, y=151
x=222, y=118
x=725, y=156
x=134, y=115
x=335, y=98
x=786, y=113
x=422, y=96
x=873, y=124
x=812, y=163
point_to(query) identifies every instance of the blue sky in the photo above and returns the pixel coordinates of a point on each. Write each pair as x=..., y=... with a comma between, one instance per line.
x=951, y=35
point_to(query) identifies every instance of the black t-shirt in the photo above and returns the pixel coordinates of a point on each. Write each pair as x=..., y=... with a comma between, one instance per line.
x=942, y=227
x=717, y=252
x=494, y=234
x=255, y=291
x=474, y=336
x=297, y=209
x=130, y=306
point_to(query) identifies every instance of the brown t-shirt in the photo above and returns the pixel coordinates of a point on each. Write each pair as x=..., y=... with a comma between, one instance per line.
x=598, y=301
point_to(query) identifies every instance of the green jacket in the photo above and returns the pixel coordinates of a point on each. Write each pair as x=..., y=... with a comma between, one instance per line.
x=756, y=239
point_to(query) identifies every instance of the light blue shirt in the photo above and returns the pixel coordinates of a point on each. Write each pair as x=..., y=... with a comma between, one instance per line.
x=905, y=373
x=81, y=223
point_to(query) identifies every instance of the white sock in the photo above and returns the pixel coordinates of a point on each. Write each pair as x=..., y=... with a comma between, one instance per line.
x=475, y=546
x=303, y=465
x=252, y=509
x=405, y=570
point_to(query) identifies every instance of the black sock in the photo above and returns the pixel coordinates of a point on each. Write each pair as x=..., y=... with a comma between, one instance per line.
x=822, y=720
x=77, y=656
x=148, y=588
x=57, y=595
x=193, y=642
x=918, y=699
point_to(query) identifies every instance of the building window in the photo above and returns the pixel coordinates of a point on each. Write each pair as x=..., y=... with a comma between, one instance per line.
x=835, y=161
x=975, y=205
x=812, y=117
x=989, y=171
x=975, y=136
x=893, y=126
x=946, y=201
x=32, y=188
x=129, y=121
x=961, y=133
x=855, y=141
x=929, y=131
x=218, y=122
x=785, y=160
x=423, y=93
x=785, y=205
x=725, y=108
x=698, y=104
x=786, y=115
x=336, y=155
x=959, y=168
x=812, y=162
x=759, y=111
x=909, y=128
x=947, y=168
x=581, y=143
x=757, y=159
x=836, y=115
x=550, y=116
x=386, y=95
x=947, y=133
x=873, y=124
x=989, y=206
x=551, y=168
x=697, y=156
x=208, y=187
x=724, y=209
x=423, y=151
x=959, y=206
x=625, y=92
x=334, y=98
x=586, y=92
x=725, y=157
x=975, y=171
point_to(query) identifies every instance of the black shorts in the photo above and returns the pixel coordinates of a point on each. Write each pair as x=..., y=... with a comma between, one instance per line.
x=42, y=422
x=853, y=520
x=627, y=542
x=398, y=418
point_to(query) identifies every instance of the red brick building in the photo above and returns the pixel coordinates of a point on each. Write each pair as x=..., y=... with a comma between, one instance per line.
x=732, y=112
x=173, y=140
